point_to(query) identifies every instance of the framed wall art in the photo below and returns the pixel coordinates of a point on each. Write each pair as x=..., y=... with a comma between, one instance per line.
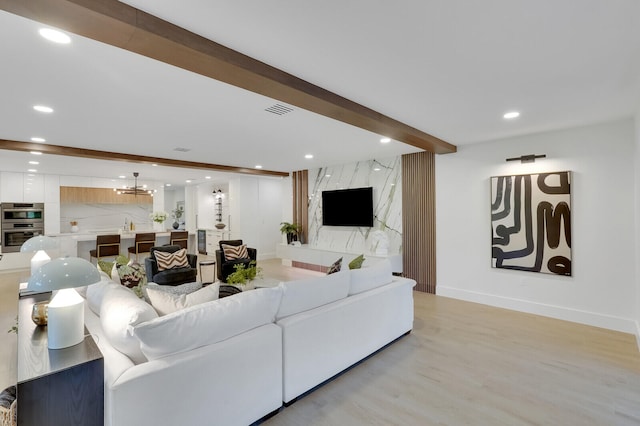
x=531, y=222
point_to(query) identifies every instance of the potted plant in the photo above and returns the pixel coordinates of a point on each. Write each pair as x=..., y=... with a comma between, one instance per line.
x=292, y=230
x=244, y=276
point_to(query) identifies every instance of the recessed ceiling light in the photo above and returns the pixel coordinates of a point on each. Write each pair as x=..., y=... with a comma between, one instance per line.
x=385, y=140
x=32, y=170
x=188, y=180
x=42, y=108
x=258, y=166
x=308, y=156
x=327, y=175
x=55, y=35
x=122, y=176
x=207, y=177
x=34, y=162
x=512, y=114
x=168, y=184
x=154, y=165
x=36, y=139
x=377, y=169
x=36, y=152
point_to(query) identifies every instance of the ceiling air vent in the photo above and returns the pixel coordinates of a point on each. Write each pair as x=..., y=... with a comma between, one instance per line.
x=182, y=149
x=279, y=109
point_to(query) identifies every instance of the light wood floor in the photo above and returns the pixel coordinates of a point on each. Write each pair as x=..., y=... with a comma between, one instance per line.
x=469, y=364
x=463, y=364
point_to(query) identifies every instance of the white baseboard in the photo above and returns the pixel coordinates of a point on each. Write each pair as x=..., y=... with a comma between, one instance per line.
x=610, y=322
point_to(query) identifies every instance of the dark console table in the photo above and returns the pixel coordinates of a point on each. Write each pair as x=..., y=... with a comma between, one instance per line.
x=56, y=386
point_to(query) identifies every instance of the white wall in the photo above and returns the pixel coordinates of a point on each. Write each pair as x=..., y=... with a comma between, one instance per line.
x=256, y=209
x=602, y=290
x=637, y=225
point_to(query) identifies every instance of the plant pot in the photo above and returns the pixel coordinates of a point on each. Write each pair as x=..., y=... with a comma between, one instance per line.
x=291, y=237
x=175, y=225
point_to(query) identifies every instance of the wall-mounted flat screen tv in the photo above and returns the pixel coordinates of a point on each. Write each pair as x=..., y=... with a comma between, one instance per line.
x=348, y=207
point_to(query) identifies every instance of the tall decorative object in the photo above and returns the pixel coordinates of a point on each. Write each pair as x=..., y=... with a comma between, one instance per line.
x=531, y=222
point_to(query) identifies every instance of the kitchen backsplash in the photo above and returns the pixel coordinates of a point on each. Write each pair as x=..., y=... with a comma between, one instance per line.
x=105, y=217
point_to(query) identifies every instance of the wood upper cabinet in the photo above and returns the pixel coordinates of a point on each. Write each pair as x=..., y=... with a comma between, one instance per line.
x=75, y=194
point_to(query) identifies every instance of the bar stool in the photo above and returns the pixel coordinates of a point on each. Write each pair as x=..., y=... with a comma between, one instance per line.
x=143, y=244
x=179, y=238
x=106, y=246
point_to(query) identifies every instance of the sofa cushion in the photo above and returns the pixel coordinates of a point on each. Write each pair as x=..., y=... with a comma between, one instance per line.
x=302, y=295
x=120, y=310
x=166, y=260
x=235, y=252
x=165, y=303
x=370, y=277
x=207, y=323
x=95, y=293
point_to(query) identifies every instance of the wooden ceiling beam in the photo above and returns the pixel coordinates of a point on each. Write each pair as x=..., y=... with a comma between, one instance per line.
x=123, y=26
x=139, y=159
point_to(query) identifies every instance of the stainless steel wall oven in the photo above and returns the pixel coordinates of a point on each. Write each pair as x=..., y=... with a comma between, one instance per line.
x=19, y=222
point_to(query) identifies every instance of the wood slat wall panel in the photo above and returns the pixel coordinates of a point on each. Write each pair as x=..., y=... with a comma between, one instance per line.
x=300, y=182
x=418, y=220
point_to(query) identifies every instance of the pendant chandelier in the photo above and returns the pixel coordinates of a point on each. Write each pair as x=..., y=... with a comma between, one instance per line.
x=134, y=190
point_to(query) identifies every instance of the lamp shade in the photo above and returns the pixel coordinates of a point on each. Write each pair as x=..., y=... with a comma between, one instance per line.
x=41, y=242
x=66, y=309
x=62, y=273
x=38, y=245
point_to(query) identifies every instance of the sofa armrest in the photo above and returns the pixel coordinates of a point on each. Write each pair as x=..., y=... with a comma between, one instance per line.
x=253, y=253
x=151, y=268
x=192, y=259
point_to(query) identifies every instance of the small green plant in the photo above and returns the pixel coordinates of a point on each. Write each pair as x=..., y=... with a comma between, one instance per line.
x=292, y=230
x=242, y=275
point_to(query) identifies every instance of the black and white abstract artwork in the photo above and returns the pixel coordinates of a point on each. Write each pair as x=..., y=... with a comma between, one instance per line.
x=531, y=222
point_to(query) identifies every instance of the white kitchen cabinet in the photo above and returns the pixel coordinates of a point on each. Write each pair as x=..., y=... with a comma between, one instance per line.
x=21, y=187
x=33, y=188
x=12, y=187
x=213, y=240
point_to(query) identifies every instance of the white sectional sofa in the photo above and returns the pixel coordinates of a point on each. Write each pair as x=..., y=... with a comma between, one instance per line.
x=235, y=360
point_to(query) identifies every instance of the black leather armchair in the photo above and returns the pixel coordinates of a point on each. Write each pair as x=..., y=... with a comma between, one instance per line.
x=174, y=276
x=226, y=267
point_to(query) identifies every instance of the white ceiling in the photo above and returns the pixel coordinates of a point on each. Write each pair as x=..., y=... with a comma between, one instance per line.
x=449, y=68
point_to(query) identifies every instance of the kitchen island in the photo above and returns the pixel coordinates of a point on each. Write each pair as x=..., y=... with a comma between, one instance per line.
x=79, y=244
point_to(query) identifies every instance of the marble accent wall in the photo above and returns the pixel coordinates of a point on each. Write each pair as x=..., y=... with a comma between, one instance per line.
x=385, y=176
x=105, y=217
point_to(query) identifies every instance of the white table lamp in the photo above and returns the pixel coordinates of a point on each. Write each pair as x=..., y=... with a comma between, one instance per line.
x=38, y=245
x=66, y=310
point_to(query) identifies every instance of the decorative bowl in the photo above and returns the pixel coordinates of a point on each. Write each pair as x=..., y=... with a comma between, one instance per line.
x=220, y=225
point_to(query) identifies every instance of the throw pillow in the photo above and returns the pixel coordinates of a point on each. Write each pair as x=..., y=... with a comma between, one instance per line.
x=335, y=267
x=105, y=266
x=166, y=260
x=129, y=275
x=120, y=310
x=235, y=252
x=165, y=303
x=176, y=289
x=357, y=262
